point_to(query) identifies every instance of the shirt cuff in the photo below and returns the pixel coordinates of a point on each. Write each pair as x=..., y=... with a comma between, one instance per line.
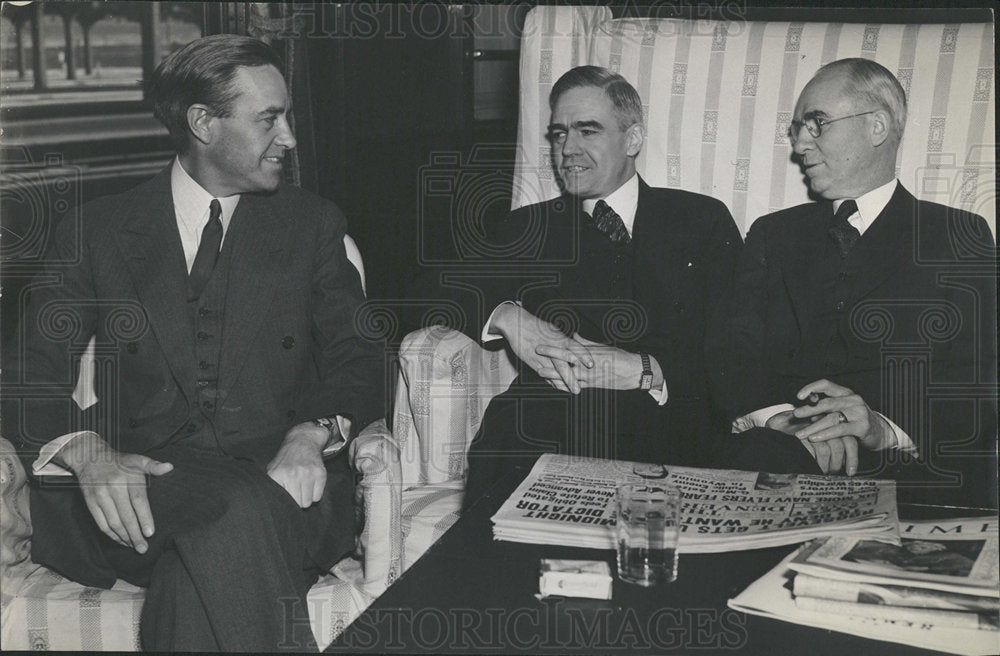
x=758, y=418
x=43, y=465
x=660, y=395
x=487, y=336
x=903, y=441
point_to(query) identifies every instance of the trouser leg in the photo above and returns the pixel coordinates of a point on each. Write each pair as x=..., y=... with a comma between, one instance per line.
x=234, y=548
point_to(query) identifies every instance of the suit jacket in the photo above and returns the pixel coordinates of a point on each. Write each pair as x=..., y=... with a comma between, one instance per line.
x=289, y=349
x=683, y=252
x=916, y=336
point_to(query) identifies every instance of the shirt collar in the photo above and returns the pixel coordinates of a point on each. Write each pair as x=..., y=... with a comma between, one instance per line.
x=624, y=200
x=192, y=201
x=870, y=205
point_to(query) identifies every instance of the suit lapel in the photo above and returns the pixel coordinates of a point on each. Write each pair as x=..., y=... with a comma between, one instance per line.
x=259, y=238
x=887, y=244
x=151, y=245
x=811, y=240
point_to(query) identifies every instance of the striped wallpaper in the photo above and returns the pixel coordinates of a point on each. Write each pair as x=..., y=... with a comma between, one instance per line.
x=718, y=97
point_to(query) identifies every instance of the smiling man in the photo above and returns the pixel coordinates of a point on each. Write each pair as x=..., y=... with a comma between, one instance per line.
x=865, y=324
x=608, y=309
x=226, y=301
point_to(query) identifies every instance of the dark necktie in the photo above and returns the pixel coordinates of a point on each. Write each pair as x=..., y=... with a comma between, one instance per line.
x=208, y=251
x=842, y=231
x=608, y=222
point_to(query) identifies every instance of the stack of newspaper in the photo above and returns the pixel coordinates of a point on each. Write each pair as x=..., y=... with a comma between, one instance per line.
x=938, y=588
x=569, y=500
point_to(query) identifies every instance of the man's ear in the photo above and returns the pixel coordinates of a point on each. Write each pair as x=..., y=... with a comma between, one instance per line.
x=200, y=121
x=635, y=136
x=880, y=127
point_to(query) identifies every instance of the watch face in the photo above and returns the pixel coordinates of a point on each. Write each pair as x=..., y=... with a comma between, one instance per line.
x=646, y=382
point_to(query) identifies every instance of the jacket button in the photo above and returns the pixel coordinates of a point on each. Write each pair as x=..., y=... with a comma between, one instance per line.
x=203, y=365
x=288, y=342
x=202, y=335
x=839, y=307
x=208, y=405
x=679, y=306
x=204, y=312
x=291, y=414
x=132, y=347
x=132, y=423
x=191, y=427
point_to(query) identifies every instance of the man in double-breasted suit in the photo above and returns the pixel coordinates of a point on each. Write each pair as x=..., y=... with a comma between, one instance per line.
x=607, y=310
x=223, y=307
x=872, y=312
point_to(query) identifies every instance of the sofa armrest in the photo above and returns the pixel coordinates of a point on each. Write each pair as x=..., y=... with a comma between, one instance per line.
x=375, y=457
x=15, y=518
x=446, y=381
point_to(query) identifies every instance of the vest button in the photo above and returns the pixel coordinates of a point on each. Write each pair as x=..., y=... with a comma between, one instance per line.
x=132, y=423
x=844, y=275
x=290, y=414
x=203, y=365
x=204, y=312
x=288, y=342
x=679, y=306
x=202, y=335
x=132, y=347
x=208, y=405
x=839, y=307
x=191, y=427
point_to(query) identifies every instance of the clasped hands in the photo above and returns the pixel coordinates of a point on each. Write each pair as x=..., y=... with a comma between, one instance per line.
x=832, y=428
x=569, y=364
x=113, y=483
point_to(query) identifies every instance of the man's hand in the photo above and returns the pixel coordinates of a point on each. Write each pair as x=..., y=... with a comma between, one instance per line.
x=829, y=455
x=114, y=488
x=613, y=368
x=298, y=465
x=526, y=333
x=840, y=421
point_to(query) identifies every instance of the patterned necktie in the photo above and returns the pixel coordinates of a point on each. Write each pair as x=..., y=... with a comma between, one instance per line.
x=608, y=222
x=842, y=231
x=208, y=251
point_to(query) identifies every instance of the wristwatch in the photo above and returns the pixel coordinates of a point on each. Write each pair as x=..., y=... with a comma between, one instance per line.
x=646, y=377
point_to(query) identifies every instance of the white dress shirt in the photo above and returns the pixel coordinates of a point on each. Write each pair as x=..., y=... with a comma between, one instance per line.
x=624, y=201
x=870, y=205
x=191, y=208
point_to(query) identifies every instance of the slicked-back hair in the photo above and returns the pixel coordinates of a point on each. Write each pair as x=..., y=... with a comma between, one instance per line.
x=203, y=72
x=870, y=83
x=623, y=96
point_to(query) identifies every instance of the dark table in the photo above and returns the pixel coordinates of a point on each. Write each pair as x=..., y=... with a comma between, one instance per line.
x=469, y=593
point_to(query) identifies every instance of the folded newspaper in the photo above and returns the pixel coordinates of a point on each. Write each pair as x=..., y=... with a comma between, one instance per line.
x=939, y=588
x=568, y=500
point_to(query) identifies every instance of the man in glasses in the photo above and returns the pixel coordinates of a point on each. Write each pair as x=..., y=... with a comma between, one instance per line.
x=864, y=324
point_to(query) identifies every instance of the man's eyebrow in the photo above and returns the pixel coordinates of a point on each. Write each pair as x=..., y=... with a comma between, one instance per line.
x=815, y=113
x=576, y=125
x=274, y=110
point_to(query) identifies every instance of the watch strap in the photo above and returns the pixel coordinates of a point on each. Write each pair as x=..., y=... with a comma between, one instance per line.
x=646, y=377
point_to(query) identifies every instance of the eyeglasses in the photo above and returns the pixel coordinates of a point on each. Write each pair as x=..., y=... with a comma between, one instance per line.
x=814, y=124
